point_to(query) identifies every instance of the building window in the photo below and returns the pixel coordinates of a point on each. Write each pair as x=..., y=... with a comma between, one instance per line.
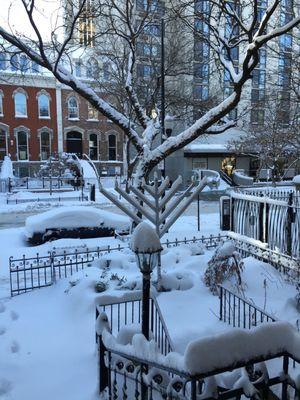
x=199, y=163
x=93, y=146
x=73, y=112
x=45, y=145
x=92, y=113
x=144, y=71
x=3, y=144
x=1, y=104
x=22, y=145
x=87, y=25
x=44, y=106
x=14, y=63
x=78, y=68
x=20, y=104
x=92, y=69
x=2, y=62
x=112, y=147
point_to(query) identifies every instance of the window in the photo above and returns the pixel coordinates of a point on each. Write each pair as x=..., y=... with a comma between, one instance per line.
x=20, y=104
x=24, y=63
x=3, y=144
x=44, y=106
x=78, y=67
x=92, y=69
x=112, y=147
x=87, y=25
x=73, y=112
x=22, y=146
x=45, y=145
x=144, y=71
x=2, y=61
x=1, y=103
x=201, y=92
x=14, y=63
x=92, y=113
x=199, y=163
x=93, y=147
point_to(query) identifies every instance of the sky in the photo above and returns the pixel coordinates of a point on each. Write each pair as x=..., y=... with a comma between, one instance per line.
x=13, y=17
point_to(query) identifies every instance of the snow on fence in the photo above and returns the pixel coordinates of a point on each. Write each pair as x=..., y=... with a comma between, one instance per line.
x=128, y=310
x=27, y=273
x=138, y=372
x=272, y=217
x=239, y=312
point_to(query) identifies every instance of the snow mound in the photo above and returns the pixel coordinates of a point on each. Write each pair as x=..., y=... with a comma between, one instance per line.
x=227, y=349
x=296, y=180
x=177, y=281
x=75, y=217
x=6, y=168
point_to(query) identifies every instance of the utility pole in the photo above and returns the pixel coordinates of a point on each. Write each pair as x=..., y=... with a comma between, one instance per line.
x=162, y=72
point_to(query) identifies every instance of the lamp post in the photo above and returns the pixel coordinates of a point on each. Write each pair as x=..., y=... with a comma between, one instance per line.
x=146, y=245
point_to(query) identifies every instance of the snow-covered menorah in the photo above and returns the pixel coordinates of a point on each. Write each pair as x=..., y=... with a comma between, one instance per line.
x=159, y=203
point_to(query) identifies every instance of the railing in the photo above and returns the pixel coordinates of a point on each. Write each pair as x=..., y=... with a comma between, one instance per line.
x=240, y=313
x=137, y=377
x=47, y=199
x=50, y=183
x=26, y=272
x=272, y=217
x=129, y=311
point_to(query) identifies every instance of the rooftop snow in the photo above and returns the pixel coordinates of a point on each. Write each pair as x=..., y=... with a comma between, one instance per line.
x=214, y=143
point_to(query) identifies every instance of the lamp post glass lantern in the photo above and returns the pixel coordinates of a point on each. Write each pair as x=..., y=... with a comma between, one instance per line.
x=146, y=246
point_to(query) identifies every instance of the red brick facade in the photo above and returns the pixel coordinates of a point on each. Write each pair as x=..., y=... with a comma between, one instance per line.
x=32, y=124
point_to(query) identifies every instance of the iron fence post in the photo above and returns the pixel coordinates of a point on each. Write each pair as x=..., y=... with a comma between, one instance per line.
x=289, y=225
x=221, y=303
x=103, y=370
x=193, y=389
x=284, y=393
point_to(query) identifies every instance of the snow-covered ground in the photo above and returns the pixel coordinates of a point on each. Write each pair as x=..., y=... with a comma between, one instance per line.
x=47, y=336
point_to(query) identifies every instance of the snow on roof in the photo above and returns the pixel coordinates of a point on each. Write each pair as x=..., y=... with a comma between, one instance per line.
x=145, y=239
x=296, y=179
x=214, y=143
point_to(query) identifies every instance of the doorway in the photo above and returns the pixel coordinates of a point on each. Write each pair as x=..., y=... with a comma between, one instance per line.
x=74, y=143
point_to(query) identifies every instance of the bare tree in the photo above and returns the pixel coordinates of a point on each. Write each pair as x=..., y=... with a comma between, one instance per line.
x=123, y=21
x=275, y=144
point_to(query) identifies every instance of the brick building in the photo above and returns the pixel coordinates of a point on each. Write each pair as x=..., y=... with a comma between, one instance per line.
x=40, y=117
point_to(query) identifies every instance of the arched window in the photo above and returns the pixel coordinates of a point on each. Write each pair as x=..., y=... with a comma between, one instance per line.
x=112, y=147
x=3, y=143
x=22, y=145
x=20, y=104
x=93, y=146
x=44, y=106
x=73, y=112
x=45, y=138
x=92, y=69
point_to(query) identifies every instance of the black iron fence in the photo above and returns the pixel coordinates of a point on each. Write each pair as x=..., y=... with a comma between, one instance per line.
x=239, y=312
x=54, y=199
x=47, y=183
x=122, y=312
x=138, y=377
x=27, y=273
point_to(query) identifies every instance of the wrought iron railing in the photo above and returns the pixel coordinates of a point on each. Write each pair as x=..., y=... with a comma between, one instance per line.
x=137, y=377
x=48, y=199
x=129, y=311
x=239, y=312
x=27, y=273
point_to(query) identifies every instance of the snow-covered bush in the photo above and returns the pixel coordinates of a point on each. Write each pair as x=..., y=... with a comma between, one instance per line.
x=225, y=262
x=59, y=165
